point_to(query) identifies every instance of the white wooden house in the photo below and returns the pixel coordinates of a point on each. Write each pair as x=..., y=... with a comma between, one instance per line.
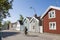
x=16, y=26
x=33, y=24
x=27, y=23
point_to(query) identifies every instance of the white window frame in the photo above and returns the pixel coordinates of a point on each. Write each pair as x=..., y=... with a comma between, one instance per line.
x=51, y=27
x=50, y=12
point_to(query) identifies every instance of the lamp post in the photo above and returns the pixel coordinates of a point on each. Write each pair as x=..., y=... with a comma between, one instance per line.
x=33, y=9
x=35, y=14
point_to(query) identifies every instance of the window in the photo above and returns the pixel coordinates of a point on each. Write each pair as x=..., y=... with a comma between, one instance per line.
x=52, y=25
x=34, y=21
x=52, y=14
x=33, y=27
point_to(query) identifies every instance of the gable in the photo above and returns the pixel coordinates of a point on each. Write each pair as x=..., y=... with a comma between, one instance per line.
x=49, y=8
x=33, y=19
x=26, y=20
x=47, y=13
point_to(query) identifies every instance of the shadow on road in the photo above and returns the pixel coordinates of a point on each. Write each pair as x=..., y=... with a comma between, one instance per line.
x=7, y=34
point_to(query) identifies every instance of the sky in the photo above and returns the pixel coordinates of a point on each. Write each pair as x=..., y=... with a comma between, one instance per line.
x=23, y=7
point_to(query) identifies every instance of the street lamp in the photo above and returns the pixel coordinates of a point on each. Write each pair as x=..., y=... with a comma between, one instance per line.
x=33, y=9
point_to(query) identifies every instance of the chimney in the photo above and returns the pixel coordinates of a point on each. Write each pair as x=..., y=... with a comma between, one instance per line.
x=35, y=15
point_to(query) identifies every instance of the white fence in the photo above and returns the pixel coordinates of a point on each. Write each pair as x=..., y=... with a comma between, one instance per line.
x=41, y=29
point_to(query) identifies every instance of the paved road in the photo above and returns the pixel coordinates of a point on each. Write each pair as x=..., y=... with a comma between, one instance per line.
x=14, y=35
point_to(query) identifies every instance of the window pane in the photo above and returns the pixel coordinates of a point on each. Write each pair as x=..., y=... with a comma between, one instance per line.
x=53, y=25
x=52, y=14
x=50, y=25
x=33, y=27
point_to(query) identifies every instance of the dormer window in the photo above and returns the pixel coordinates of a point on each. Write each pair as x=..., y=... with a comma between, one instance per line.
x=52, y=14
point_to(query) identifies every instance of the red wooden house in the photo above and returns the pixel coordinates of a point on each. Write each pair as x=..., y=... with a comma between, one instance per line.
x=51, y=20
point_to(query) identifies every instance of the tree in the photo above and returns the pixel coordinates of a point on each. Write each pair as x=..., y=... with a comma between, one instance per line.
x=5, y=25
x=8, y=22
x=21, y=19
x=5, y=5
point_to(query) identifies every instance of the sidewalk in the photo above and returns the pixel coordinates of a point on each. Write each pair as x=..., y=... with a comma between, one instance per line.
x=32, y=36
x=33, y=33
x=46, y=36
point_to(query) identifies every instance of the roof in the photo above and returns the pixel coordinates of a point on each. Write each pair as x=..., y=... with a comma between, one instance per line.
x=54, y=7
x=40, y=21
x=38, y=17
x=15, y=22
x=29, y=18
